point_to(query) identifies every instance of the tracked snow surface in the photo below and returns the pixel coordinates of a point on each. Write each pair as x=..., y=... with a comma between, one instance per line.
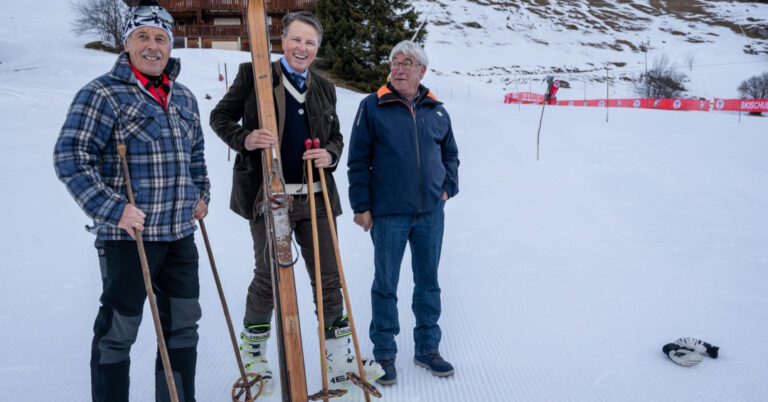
x=561, y=279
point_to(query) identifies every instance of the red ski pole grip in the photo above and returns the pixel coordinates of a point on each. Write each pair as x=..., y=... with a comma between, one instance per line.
x=308, y=144
x=316, y=143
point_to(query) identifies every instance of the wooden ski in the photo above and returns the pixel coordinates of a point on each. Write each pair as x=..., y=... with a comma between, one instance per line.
x=276, y=203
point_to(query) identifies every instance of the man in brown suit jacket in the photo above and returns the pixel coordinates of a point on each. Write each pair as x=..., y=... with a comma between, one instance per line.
x=306, y=108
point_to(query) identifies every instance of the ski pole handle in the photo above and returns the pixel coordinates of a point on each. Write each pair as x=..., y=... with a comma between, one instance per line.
x=121, y=149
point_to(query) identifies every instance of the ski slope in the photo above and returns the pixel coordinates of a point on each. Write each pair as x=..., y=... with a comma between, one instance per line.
x=561, y=279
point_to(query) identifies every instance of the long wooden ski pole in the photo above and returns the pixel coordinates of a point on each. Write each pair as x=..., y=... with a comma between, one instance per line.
x=368, y=388
x=121, y=149
x=318, y=276
x=243, y=385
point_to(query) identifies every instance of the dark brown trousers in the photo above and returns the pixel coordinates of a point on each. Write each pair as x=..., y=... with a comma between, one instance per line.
x=260, y=301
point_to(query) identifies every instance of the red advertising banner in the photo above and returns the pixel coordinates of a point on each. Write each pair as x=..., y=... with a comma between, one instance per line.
x=679, y=104
x=757, y=105
x=743, y=105
x=662, y=104
x=523, y=97
x=588, y=102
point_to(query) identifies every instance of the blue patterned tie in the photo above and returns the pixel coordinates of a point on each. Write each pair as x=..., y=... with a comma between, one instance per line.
x=298, y=79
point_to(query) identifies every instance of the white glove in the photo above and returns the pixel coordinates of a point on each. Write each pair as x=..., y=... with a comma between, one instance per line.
x=699, y=346
x=681, y=355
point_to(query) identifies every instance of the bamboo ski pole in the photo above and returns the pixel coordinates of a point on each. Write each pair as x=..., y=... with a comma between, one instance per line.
x=243, y=385
x=368, y=388
x=318, y=276
x=121, y=149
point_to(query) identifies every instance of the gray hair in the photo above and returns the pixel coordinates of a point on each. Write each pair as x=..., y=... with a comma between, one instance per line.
x=411, y=49
x=307, y=18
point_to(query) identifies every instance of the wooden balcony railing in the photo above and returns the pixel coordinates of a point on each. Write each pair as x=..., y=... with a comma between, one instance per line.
x=219, y=31
x=290, y=4
x=179, y=5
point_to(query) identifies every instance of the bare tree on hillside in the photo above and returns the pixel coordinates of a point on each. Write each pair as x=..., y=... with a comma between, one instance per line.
x=661, y=81
x=105, y=18
x=755, y=87
x=689, y=59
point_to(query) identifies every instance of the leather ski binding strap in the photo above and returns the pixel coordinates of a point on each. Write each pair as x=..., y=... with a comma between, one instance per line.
x=239, y=390
x=277, y=201
x=274, y=203
x=333, y=393
x=365, y=386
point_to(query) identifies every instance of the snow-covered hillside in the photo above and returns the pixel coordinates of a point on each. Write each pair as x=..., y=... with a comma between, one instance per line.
x=514, y=44
x=561, y=279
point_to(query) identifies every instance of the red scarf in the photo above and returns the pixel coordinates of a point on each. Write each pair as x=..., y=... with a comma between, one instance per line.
x=159, y=92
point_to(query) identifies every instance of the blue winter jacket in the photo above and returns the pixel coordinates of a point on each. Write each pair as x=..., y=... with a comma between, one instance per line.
x=401, y=159
x=164, y=153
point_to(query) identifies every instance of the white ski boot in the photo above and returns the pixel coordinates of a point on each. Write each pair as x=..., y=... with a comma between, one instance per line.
x=253, y=348
x=340, y=356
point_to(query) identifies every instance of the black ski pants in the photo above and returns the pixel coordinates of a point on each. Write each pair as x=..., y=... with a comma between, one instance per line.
x=174, y=271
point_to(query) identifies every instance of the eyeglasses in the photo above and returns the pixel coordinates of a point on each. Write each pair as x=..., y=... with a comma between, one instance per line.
x=405, y=64
x=153, y=12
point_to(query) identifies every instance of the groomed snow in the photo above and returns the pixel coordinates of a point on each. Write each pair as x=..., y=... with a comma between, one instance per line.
x=561, y=278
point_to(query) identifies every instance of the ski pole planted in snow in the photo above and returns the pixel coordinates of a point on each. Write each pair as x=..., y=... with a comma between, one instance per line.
x=226, y=89
x=324, y=394
x=148, y=284
x=360, y=380
x=538, y=133
x=543, y=105
x=226, y=78
x=242, y=387
x=607, y=95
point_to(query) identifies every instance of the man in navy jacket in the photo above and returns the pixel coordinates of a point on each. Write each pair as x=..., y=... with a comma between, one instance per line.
x=403, y=167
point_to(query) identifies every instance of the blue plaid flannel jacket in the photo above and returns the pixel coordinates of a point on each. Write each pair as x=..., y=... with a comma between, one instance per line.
x=165, y=154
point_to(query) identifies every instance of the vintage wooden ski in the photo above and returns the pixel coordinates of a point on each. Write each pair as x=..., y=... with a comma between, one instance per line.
x=276, y=203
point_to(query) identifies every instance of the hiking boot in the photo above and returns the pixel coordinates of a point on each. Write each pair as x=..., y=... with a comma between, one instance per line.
x=253, y=348
x=340, y=356
x=390, y=373
x=434, y=363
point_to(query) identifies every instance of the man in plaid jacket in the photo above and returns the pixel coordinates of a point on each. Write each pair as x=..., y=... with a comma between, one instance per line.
x=140, y=104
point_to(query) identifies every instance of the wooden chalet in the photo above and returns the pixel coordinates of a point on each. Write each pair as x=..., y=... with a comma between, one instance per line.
x=222, y=24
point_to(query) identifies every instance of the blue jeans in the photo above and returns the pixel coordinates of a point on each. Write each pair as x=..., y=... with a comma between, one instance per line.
x=390, y=233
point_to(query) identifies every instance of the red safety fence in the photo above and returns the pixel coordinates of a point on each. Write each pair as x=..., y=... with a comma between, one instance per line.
x=524, y=97
x=744, y=105
x=663, y=104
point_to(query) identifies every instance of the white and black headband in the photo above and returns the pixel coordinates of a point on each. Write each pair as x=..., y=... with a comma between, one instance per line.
x=149, y=16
